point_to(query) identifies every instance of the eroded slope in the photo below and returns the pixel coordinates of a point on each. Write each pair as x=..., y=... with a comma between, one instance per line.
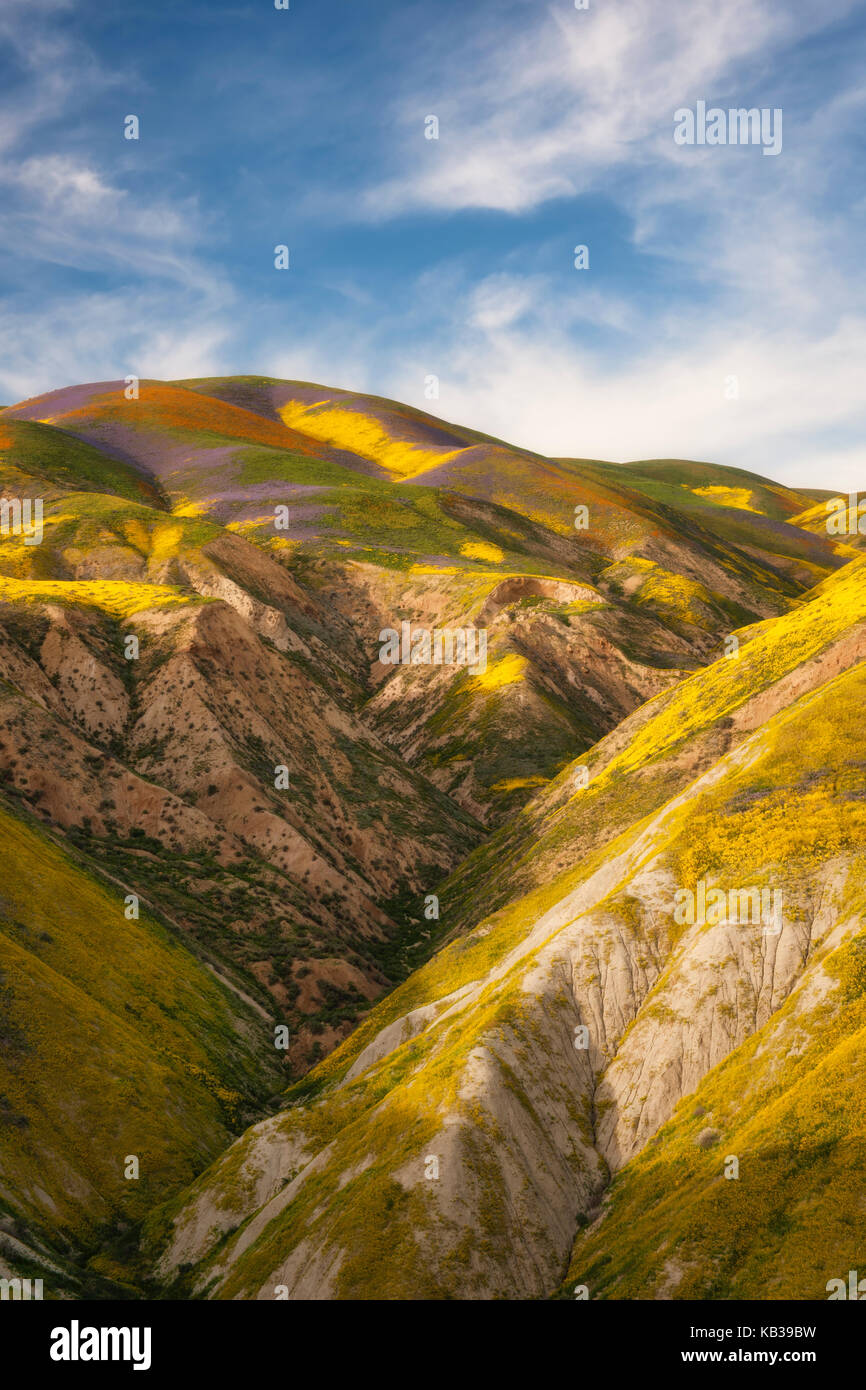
x=473, y=1063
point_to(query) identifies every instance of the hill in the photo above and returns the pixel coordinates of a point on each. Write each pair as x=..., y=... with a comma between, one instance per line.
x=455, y=884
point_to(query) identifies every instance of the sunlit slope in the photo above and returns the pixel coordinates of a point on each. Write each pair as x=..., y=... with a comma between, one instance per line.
x=398, y=486
x=119, y=600
x=116, y=1042
x=462, y=473
x=564, y=660
x=586, y=622
x=473, y=1062
x=212, y=457
x=684, y=483
x=841, y=516
x=104, y=411
x=663, y=745
x=589, y=620
x=182, y=442
x=562, y=665
x=91, y=536
x=757, y=516
x=401, y=440
x=42, y=460
x=408, y=444
x=406, y=454
x=753, y=1187
x=788, y=1106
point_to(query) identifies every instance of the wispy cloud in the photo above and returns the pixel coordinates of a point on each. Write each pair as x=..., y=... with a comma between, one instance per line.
x=556, y=106
x=102, y=337
x=61, y=210
x=530, y=380
x=45, y=68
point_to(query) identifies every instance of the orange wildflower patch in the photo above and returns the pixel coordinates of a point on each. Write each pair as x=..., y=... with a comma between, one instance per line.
x=173, y=408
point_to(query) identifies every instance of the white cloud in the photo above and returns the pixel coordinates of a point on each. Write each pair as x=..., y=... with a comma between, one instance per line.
x=554, y=107
x=52, y=178
x=104, y=337
x=530, y=380
x=57, y=208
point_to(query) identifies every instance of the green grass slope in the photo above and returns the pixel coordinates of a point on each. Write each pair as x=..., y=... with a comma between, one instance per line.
x=33, y=453
x=116, y=1042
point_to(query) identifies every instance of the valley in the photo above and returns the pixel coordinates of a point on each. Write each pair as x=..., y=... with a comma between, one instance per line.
x=452, y=884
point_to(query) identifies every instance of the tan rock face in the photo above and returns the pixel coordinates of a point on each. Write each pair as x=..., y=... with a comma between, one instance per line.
x=181, y=748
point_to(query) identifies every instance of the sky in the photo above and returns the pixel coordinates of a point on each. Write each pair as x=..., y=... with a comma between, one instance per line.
x=722, y=314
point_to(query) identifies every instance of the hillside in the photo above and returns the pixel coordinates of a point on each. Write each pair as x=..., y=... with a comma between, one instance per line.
x=473, y=1059
x=668, y=698
x=117, y=1042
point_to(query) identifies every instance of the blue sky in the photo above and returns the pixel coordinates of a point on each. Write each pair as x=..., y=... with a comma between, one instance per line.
x=452, y=257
